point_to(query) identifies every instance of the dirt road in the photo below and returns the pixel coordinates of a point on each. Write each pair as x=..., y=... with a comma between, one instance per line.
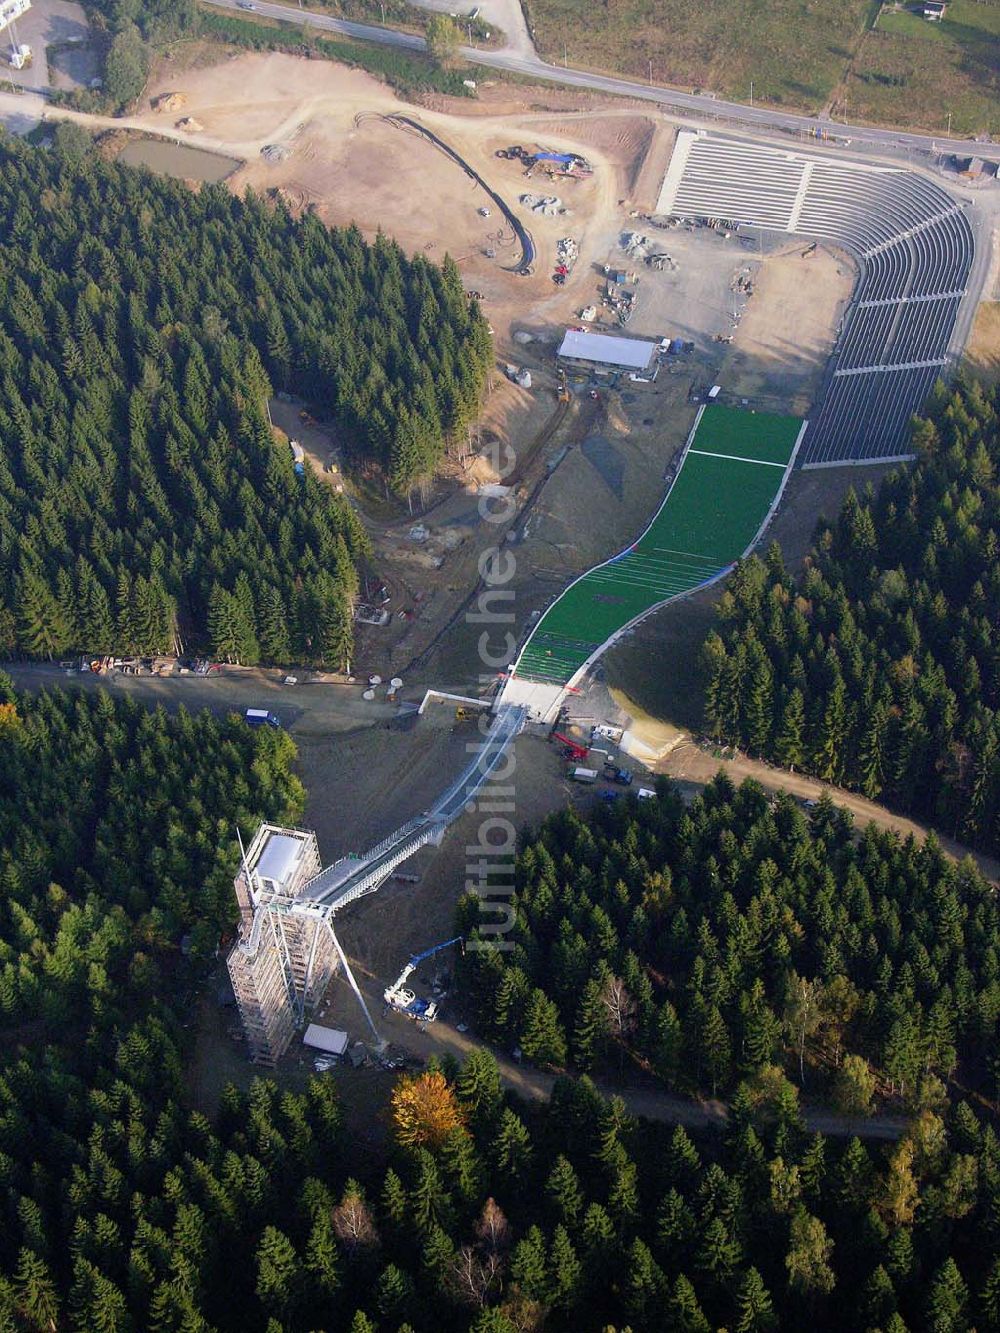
x=689, y=763
x=320, y=708
x=651, y=1103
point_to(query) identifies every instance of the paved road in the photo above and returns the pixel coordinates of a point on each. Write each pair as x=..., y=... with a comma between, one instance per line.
x=519, y=57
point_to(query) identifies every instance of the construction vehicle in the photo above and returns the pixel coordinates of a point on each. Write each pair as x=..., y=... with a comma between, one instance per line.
x=463, y=714
x=622, y=776
x=399, y=997
x=571, y=749
x=587, y=775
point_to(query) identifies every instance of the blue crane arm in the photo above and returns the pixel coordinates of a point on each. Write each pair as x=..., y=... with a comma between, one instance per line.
x=428, y=953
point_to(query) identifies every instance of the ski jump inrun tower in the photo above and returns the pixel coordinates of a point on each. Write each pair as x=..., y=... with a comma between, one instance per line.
x=288, y=950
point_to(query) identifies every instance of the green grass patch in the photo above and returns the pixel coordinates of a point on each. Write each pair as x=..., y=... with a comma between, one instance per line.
x=795, y=51
x=913, y=73
x=715, y=507
x=398, y=14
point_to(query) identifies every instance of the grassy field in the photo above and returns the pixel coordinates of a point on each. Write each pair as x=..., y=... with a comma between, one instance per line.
x=795, y=51
x=892, y=68
x=718, y=501
x=913, y=73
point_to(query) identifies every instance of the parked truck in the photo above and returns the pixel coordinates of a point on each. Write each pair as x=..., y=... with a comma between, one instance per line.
x=260, y=717
x=622, y=776
x=583, y=774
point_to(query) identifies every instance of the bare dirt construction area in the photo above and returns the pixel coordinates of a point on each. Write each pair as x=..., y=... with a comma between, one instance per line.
x=330, y=149
x=788, y=327
x=588, y=475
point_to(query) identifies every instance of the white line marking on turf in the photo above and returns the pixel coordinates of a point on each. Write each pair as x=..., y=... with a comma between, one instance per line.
x=736, y=458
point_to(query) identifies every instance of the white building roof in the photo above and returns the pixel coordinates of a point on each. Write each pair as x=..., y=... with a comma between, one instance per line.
x=279, y=859
x=320, y=1038
x=629, y=353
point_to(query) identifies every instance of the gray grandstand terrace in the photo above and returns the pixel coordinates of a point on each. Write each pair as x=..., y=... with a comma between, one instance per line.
x=914, y=248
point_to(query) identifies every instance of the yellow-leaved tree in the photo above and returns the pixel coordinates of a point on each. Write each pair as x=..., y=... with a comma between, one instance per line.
x=425, y=1110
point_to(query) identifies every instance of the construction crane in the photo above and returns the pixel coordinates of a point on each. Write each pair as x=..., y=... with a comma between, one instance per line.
x=399, y=997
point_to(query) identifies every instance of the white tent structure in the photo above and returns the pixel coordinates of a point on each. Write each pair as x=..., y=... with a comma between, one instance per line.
x=330, y=1040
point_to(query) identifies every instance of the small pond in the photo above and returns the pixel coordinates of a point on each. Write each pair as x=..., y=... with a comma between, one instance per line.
x=177, y=159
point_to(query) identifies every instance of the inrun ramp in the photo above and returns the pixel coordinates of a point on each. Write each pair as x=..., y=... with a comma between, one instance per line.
x=727, y=487
x=914, y=248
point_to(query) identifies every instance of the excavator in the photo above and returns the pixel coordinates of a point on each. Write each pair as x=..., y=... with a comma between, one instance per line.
x=398, y=996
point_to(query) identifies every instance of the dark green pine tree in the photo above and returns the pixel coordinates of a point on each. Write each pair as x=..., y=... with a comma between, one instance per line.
x=35, y=1290
x=245, y=616
x=279, y=1274
x=758, y=710
x=789, y=746
x=394, y=1204
x=437, y=1252
x=95, y=1301
x=872, y=752
x=590, y=1026
x=478, y=1086
x=563, y=1192
x=512, y=1150
x=461, y=1166
x=989, y=1299
x=716, y=1049
x=275, y=640
x=565, y=1271
x=644, y=1286
x=429, y=1202
x=754, y=1307
x=947, y=1299
x=542, y=1038
x=223, y=625
x=393, y=1293
x=684, y=1314
x=42, y=630
x=321, y=1262
x=529, y=1266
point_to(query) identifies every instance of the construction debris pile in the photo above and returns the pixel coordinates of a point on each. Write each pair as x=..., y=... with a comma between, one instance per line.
x=634, y=244
x=567, y=253
x=742, y=282
x=621, y=293
x=568, y=165
x=170, y=102
x=518, y=375
x=549, y=205
x=275, y=152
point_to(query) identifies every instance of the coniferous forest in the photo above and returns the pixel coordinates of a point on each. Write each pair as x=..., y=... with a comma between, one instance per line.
x=878, y=667
x=123, y=1209
x=143, y=502
x=704, y=944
